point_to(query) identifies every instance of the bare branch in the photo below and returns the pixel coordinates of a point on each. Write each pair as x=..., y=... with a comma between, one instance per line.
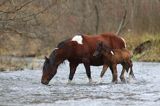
x=17, y=8
x=97, y=18
x=36, y=14
x=122, y=23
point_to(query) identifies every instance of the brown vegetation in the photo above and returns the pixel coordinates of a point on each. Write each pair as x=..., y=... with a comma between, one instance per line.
x=34, y=27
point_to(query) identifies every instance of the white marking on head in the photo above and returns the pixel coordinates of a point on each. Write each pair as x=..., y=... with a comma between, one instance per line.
x=78, y=39
x=112, y=52
x=124, y=42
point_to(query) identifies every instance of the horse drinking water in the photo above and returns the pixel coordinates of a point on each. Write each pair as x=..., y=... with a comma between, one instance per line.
x=78, y=49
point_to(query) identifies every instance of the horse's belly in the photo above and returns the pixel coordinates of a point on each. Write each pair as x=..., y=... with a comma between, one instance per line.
x=96, y=62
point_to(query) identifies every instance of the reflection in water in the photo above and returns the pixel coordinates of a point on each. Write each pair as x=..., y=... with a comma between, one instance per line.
x=24, y=88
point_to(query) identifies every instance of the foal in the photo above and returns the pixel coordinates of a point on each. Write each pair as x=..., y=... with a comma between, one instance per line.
x=112, y=57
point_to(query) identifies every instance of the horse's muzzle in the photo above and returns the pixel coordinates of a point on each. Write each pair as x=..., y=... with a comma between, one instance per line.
x=44, y=82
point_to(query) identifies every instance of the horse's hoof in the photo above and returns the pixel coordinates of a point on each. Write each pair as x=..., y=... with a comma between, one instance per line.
x=91, y=82
x=100, y=81
x=133, y=77
x=115, y=82
x=69, y=82
x=124, y=81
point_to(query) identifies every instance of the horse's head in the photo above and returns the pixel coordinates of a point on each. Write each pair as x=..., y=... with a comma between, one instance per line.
x=101, y=49
x=51, y=64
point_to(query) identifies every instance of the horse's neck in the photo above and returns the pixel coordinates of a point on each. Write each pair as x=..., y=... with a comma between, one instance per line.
x=107, y=55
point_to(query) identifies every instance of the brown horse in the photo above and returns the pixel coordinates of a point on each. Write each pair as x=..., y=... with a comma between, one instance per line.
x=112, y=57
x=78, y=49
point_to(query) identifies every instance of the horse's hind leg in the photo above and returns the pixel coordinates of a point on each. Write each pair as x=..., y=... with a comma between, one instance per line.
x=131, y=74
x=73, y=67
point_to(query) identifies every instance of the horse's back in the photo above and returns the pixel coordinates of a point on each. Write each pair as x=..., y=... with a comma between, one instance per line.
x=110, y=39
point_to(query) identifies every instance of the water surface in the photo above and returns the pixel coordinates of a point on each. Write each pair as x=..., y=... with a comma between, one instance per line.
x=24, y=88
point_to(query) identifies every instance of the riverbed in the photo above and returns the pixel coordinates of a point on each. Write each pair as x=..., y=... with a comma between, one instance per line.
x=23, y=88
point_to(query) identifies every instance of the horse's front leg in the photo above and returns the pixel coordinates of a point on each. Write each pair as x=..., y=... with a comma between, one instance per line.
x=104, y=69
x=73, y=67
x=88, y=70
x=122, y=77
x=114, y=73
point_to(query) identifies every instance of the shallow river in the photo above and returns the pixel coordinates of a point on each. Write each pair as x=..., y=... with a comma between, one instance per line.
x=24, y=88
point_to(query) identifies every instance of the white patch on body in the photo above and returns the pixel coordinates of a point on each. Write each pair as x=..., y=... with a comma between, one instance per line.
x=78, y=39
x=124, y=42
x=112, y=52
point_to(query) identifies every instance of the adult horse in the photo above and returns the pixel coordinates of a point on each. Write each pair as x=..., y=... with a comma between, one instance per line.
x=78, y=49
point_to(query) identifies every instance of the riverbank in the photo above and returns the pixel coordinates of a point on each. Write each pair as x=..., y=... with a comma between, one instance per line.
x=11, y=63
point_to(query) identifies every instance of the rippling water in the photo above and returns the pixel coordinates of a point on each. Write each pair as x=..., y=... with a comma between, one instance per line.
x=24, y=88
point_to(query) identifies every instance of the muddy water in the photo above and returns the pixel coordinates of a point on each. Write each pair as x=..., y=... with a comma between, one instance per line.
x=24, y=88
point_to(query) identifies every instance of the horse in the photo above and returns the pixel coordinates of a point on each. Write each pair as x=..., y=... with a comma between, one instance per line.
x=77, y=50
x=112, y=57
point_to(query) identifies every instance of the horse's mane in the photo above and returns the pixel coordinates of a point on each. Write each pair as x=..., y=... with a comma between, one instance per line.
x=52, y=55
x=50, y=60
x=45, y=65
x=62, y=44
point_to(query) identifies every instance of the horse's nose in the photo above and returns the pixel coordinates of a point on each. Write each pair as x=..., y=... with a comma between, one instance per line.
x=44, y=82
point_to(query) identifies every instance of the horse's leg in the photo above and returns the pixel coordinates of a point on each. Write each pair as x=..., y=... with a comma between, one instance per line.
x=114, y=73
x=73, y=67
x=111, y=71
x=104, y=69
x=88, y=70
x=130, y=65
x=122, y=73
x=131, y=74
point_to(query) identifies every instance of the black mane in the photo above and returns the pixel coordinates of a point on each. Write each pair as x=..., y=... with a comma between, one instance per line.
x=45, y=65
x=52, y=57
x=62, y=44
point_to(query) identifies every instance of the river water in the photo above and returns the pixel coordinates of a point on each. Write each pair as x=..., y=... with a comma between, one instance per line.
x=23, y=88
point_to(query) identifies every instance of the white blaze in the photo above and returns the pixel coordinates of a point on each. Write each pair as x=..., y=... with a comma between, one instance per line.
x=78, y=39
x=124, y=42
